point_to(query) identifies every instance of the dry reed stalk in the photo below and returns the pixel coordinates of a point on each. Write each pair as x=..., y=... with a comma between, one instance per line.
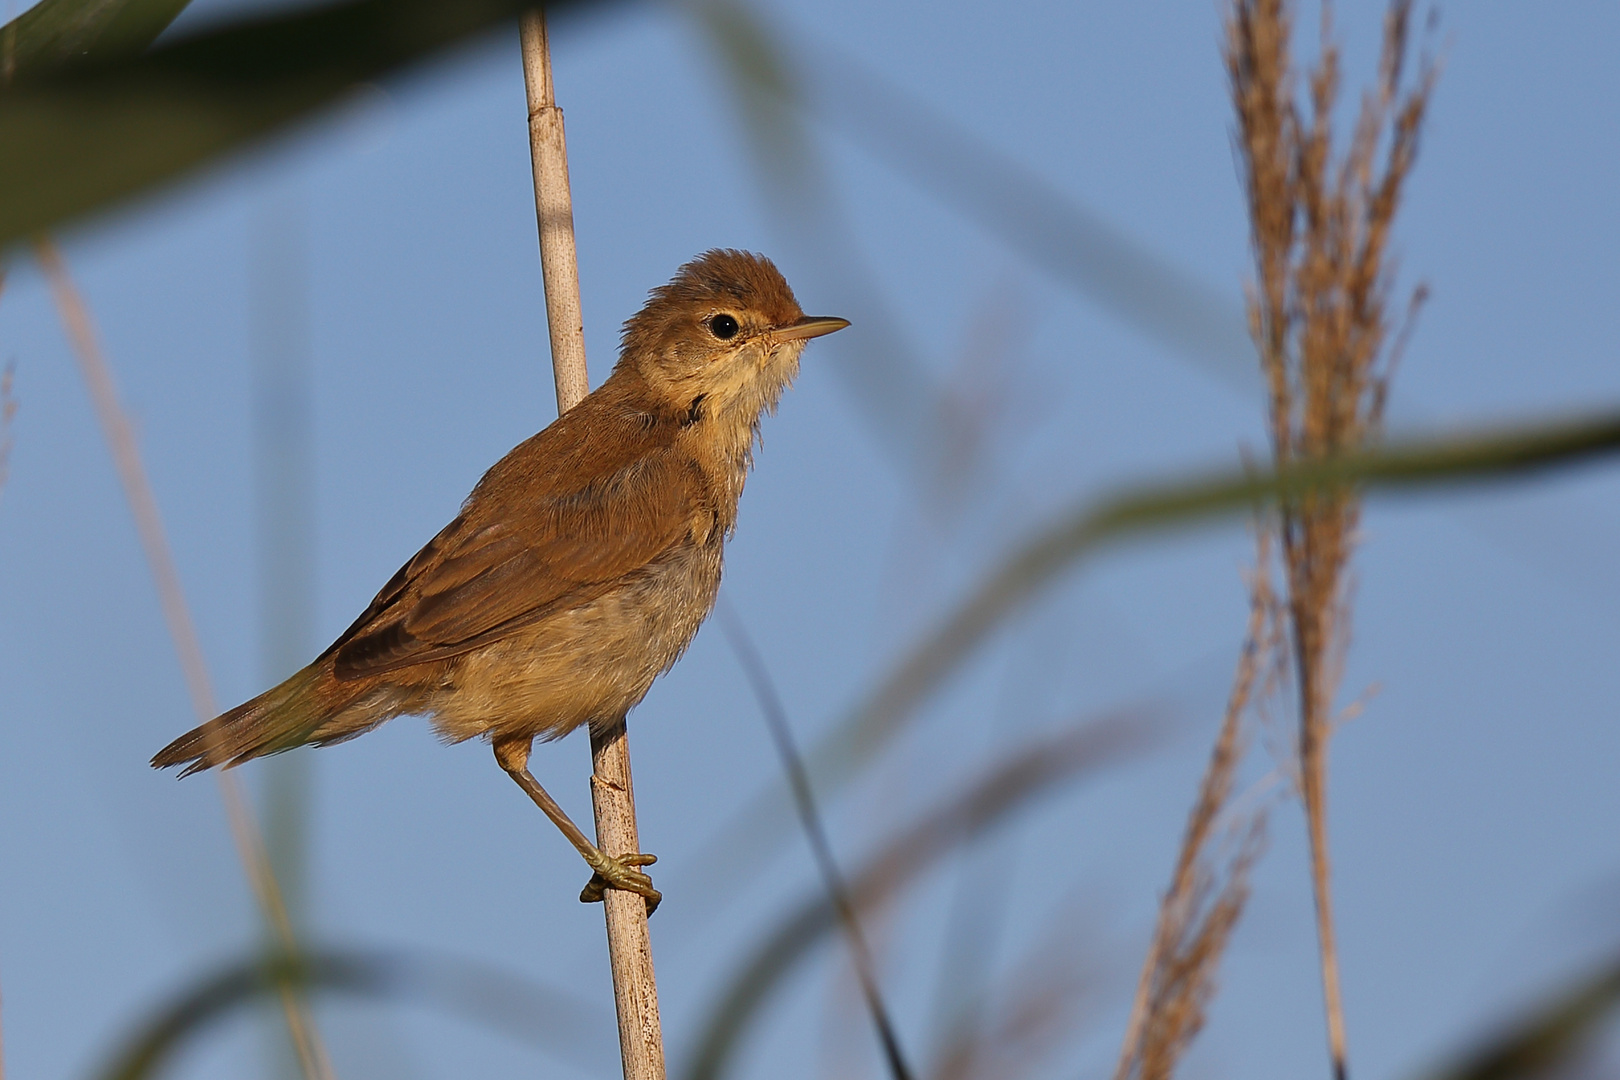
x=1320, y=225
x=635, y=990
x=120, y=435
x=1208, y=887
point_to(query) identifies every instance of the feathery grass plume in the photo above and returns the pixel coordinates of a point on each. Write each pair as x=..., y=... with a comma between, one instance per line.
x=1319, y=313
x=1210, y=884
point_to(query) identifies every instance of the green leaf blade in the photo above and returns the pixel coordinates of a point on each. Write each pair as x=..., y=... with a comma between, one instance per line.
x=1501, y=453
x=57, y=34
x=79, y=140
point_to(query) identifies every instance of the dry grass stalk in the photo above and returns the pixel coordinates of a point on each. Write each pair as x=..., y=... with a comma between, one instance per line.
x=1319, y=313
x=120, y=434
x=635, y=990
x=1209, y=886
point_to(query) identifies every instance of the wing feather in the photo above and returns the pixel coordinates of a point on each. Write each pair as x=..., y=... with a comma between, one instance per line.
x=498, y=568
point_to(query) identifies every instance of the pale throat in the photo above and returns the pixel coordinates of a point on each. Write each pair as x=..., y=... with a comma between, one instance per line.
x=726, y=429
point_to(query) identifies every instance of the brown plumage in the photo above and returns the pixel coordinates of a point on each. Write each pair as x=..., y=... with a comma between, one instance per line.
x=581, y=565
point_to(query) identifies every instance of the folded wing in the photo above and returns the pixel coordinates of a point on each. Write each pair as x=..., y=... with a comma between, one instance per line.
x=495, y=570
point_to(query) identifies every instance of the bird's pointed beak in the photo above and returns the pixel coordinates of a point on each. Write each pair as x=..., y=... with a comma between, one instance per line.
x=808, y=327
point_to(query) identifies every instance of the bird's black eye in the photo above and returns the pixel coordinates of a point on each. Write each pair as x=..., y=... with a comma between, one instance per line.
x=724, y=327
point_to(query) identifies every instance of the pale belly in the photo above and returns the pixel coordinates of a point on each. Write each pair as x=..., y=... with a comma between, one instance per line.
x=589, y=664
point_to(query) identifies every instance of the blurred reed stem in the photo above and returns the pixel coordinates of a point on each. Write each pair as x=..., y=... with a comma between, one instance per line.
x=281, y=356
x=120, y=434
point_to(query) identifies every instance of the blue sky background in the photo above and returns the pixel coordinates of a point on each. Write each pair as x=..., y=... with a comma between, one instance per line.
x=1473, y=801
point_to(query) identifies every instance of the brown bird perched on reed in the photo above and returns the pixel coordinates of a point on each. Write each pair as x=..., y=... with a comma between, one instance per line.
x=581, y=565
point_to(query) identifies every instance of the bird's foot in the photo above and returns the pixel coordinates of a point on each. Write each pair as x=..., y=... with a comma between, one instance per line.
x=619, y=873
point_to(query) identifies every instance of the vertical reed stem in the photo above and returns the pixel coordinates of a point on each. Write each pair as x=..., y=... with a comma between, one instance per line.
x=554, y=211
x=119, y=431
x=635, y=991
x=1313, y=769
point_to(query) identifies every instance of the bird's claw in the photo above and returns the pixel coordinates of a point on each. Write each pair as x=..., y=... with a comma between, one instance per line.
x=618, y=873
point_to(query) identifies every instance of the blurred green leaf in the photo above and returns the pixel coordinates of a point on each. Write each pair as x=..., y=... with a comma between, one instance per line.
x=55, y=34
x=1073, y=244
x=1492, y=455
x=76, y=141
x=766, y=92
x=1547, y=1037
x=1005, y=788
x=896, y=394
x=547, y=1018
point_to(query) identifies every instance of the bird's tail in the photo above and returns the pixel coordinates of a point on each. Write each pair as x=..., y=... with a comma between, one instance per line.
x=279, y=719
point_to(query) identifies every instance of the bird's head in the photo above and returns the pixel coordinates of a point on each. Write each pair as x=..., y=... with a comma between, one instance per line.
x=722, y=339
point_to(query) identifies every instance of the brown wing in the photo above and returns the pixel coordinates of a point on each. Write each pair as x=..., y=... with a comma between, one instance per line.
x=494, y=570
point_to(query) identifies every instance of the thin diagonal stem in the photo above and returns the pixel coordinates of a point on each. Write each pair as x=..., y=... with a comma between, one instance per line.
x=120, y=435
x=804, y=799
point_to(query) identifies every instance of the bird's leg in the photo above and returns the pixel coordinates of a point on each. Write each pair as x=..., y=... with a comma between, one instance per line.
x=610, y=872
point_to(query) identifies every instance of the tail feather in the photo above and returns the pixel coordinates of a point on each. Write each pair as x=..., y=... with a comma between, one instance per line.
x=279, y=719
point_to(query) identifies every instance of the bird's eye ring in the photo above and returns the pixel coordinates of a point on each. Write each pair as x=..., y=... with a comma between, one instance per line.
x=724, y=326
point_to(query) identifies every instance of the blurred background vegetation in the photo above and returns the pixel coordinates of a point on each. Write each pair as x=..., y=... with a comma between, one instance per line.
x=966, y=580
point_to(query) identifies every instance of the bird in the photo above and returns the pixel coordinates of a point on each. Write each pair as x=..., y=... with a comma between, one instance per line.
x=579, y=568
